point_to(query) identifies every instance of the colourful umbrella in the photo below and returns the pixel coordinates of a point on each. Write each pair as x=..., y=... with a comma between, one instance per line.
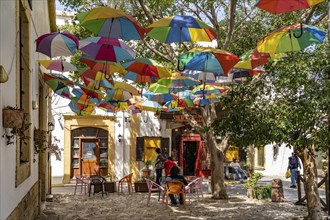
x=148, y=105
x=109, y=22
x=56, y=81
x=107, y=51
x=57, y=44
x=106, y=106
x=243, y=73
x=159, y=97
x=121, y=91
x=179, y=103
x=282, y=6
x=202, y=76
x=106, y=67
x=147, y=68
x=200, y=101
x=176, y=80
x=291, y=38
x=208, y=90
x=180, y=28
x=135, y=77
x=58, y=65
x=208, y=60
x=252, y=59
x=158, y=88
x=97, y=84
x=92, y=92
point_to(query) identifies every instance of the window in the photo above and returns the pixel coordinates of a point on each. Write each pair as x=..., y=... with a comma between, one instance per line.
x=260, y=157
x=23, y=149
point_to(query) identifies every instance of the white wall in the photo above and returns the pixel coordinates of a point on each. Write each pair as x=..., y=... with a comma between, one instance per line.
x=10, y=196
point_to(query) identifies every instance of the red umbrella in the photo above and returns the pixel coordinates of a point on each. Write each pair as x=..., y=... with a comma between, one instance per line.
x=282, y=6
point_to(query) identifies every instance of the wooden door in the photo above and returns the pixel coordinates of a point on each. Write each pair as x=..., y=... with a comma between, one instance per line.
x=90, y=156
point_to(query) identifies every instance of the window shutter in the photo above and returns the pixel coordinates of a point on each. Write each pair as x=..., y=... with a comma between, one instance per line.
x=140, y=149
x=165, y=146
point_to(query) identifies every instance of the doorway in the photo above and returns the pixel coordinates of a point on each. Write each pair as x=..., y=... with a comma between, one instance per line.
x=90, y=156
x=189, y=157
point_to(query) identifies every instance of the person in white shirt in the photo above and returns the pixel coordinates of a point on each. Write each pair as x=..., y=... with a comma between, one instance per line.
x=240, y=174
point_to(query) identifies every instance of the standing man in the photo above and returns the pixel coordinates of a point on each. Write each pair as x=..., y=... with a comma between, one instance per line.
x=293, y=166
x=159, y=165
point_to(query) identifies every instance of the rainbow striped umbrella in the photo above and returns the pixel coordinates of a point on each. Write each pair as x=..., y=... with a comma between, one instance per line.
x=109, y=22
x=180, y=28
x=291, y=38
x=282, y=6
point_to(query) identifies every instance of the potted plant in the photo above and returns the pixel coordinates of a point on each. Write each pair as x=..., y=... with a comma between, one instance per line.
x=12, y=117
x=251, y=184
x=40, y=139
x=110, y=185
x=147, y=171
x=140, y=185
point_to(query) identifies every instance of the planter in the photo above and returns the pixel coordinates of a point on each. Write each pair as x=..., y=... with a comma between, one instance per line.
x=109, y=187
x=12, y=118
x=141, y=187
x=146, y=173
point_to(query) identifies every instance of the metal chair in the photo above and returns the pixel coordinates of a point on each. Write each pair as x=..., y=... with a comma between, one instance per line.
x=97, y=182
x=196, y=186
x=154, y=187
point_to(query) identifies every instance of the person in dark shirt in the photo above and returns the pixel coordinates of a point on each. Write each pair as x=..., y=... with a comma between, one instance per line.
x=293, y=166
x=174, y=175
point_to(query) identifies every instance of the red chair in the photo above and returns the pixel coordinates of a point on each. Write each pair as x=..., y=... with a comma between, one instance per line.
x=82, y=182
x=196, y=186
x=126, y=180
x=154, y=187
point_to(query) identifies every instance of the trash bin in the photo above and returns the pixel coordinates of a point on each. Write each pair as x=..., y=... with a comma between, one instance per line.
x=277, y=191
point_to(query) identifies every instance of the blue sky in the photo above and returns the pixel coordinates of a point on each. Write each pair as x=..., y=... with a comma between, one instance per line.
x=59, y=7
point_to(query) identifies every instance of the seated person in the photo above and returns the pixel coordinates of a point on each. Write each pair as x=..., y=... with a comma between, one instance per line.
x=174, y=175
x=238, y=171
x=169, y=163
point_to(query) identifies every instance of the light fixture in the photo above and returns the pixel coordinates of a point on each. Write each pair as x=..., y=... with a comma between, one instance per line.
x=120, y=137
x=51, y=127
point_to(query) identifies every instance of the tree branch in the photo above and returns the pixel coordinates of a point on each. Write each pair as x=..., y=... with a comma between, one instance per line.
x=231, y=24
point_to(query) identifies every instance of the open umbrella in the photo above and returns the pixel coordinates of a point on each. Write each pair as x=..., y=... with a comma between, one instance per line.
x=282, y=6
x=209, y=90
x=58, y=65
x=121, y=91
x=159, y=97
x=208, y=60
x=56, y=81
x=180, y=28
x=92, y=92
x=252, y=59
x=146, y=67
x=109, y=22
x=107, y=41
x=108, y=68
x=291, y=38
x=202, y=76
x=158, y=88
x=57, y=44
x=176, y=80
x=148, y=105
x=110, y=51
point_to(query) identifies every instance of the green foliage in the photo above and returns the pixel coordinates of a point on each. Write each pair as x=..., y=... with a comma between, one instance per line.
x=252, y=181
x=263, y=191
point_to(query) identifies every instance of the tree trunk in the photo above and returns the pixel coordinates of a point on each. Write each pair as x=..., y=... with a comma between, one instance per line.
x=218, y=186
x=250, y=159
x=307, y=156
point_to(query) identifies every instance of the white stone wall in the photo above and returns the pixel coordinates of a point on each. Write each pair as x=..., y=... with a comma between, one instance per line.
x=10, y=195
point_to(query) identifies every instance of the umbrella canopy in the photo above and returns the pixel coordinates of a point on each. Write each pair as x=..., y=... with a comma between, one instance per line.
x=106, y=41
x=109, y=22
x=159, y=97
x=135, y=77
x=56, y=81
x=202, y=76
x=92, y=92
x=106, y=67
x=179, y=103
x=158, y=88
x=209, y=90
x=146, y=67
x=108, y=51
x=207, y=100
x=57, y=44
x=96, y=83
x=180, y=28
x=252, y=59
x=121, y=91
x=208, y=60
x=58, y=65
x=178, y=81
x=291, y=38
x=106, y=106
x=148, y=105
x=282, y=6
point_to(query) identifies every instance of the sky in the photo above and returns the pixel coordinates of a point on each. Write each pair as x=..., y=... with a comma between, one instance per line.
x=59, y=7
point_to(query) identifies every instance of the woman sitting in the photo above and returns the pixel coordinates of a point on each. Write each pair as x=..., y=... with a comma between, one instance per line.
x=174, y=175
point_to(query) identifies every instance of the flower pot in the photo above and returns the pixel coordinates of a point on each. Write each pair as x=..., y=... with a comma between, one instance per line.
x=141, y=187
x=146, y=173
x=12, y=118
x=250, y=193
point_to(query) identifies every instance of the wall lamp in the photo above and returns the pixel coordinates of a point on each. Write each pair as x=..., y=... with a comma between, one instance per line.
x=51, y=127
x=120, y=137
